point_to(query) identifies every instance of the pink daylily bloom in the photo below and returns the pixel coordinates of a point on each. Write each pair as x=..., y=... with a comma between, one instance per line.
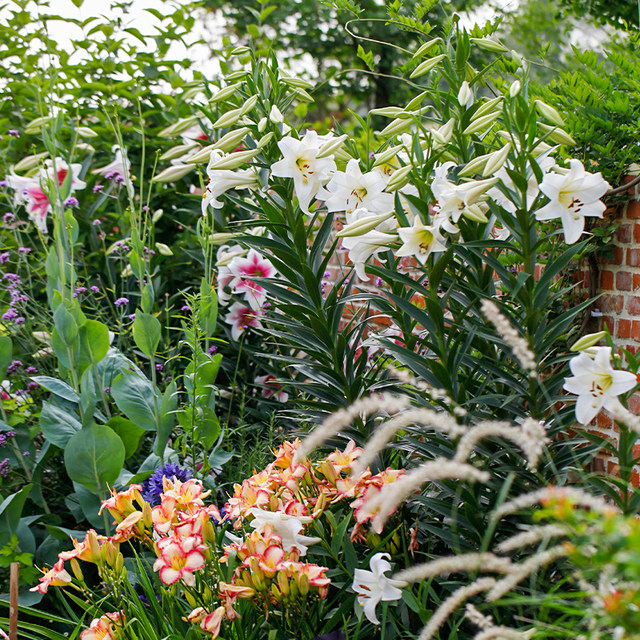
x=270, y=388
x=179, y=559
x=57, y=576
x=241, y=317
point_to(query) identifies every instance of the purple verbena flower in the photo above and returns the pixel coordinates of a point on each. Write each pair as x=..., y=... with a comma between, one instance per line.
x=71, y=202
x=8, y=217
x=5, y=468
x=14, y=366
x=31, y=370
x=4, y=257
x=95, y=289
x=98, y=188
x=121, y=301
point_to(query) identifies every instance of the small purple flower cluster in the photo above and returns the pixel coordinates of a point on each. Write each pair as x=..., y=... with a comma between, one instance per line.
x=5, y=436
x=121, y=302
x=5, y=468
x=152, y=486
x=324, y=283
x=13, y=367
x=13, y=282
x=120, y=246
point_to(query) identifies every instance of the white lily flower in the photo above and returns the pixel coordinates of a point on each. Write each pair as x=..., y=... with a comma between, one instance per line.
x=221, y=180
x=118, y=170
x=300, y=162
x=596, y=383
x=289, y=528
x=373, y=586
x=350, y=189
x=361, y=248
x=573, y=196
x=420, y=240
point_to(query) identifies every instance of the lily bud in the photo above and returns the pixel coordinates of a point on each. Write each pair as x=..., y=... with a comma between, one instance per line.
x=178, y=127
x=557, y=135
x=474, y=166
x=478, y=124
x=265, y=140
x=387, y=112
x=35, y=125
x=514, y=89
x=224, y=93
x=590, y=340
x=297, y=83
x=29, y=162
x=228, y=257
x=399, y=125
x=227, y=119
x=426, y=47
x=427, y=66
x=464, y=94
x=248, y=105
x=301, y=94
x=363, y=225
x=157, y=215
x=489, y=45
x=549, y=113
x=234, y=160
x=303, y=585
x=475, y=213
x=236, y=75
x=221, y=238
x=331, y=147
x=230, y=140
x=201, y=156
x=399, y=178
x=487, y=107
x=86, y=132
x=283, y=584
x=262, y=125
x=416, y=102
x=163, y=249
x=171, y=174
x=275, y=115
x=177, y=152
x=387, y=155
x=443, y=134
x=496, y=160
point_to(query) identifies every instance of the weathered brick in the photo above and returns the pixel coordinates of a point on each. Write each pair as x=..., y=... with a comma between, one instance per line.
x=609, y=324
x=636, y=281
x=624, y=328
x=636, y=232
x=623, y=281
x=632, y=349
x=604, y=421
x=633, y=257
x=635, y=330
x=606, y=280
x=618, y=254
x=634, y=404
x=633, y=306
x=624, y=233
x=613, y=468
x=615, y=304
x=633, y=209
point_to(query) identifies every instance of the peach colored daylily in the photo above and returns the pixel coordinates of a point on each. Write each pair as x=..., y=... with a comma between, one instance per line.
x=57, y=576
x=179, y=559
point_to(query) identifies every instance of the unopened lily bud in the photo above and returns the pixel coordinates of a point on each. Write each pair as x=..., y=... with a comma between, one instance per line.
x=514, y=89
x=163, y=249
x=262, y=125
x=283, y=584
x=225, y=92
x=475, y=213
x=557, y=135
x=298, y=83
x=399, y=178
x=265, y=140
x=496, y=160
x=202, y=156
x=127, y=271
x=171, y=174
x=363, y=225
x=301, y=94
x=178, y=127
x=228, y=118
x=328, y=471
x=386, y=156
x=488, y=107
x=426, y=47
x=235, y=75
x=29, y=162
x=489, y=45
x=387, y=112
x=303, y=585
x=427, y=65
x=157, y=215
x=275, y=115
x=228, y=257
x=590, y=340
x=478, y=124
x=320, y=505
x=37, y=124
x=118, y=565
x=474, y=166
x=233, y=160
x=248, y=105
x=221, y=238
x=109, y=553
x=464, y=94
x=86, y=132
x=443, y=134
x=177, y=152
x=77, y=571
x=195, y=616
x=549, y=113
x=399, y=125
x=332, y=146
x=147, y=518
x=417, y=101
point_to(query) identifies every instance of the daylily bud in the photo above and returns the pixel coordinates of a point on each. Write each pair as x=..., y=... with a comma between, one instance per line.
x=363, y=225
x=262, y=125
x=496, y=160
x=416, y=102
x=178, y=127
x=590, y=340
x=248, y=105
x=275, y=115
x=119, y=563
x=265, y=140
x=549, y=113
x=163, y=249
x=147, y=518
x=514, y=89
x=555, y=134
x=227, y=91
x=177, y=152
x=77, y=571
x=387, y=155
x=109, y=553
x=489, y=45
x=29, y=162
x=321, y=503
x=234, y=160
x=283, y=584
x=331, y=147
x=171, y=174
x=464, y=94
x=426, y=47
x=399, y=178
x=478, y=124
x=227, y=119
x=487, y=107
x=475, y=213
x=303, y=584
x=399, y=125
x=86, y=132
x=426, y=66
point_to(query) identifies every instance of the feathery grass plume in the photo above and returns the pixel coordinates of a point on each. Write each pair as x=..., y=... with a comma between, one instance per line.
x=342, y=418
x=622, y=414
x=478, y=619
x=580, y=497
x=532, y=536
x=385, y=501
x=467, y=563
x=519, y=346
x=385, y=432
x=503, y=633
x=452, y=603
x=524, y=570
x=530, y=437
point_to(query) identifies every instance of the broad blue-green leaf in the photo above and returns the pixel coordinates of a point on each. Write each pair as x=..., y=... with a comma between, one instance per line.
x=58, y=425
x=66, y=326
x=10, y=512
x=94, y=342
x=167, y=416
x=146, y=333
x=128, y=432
x=137, y=399
x=94, y=457
x=57, y=387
